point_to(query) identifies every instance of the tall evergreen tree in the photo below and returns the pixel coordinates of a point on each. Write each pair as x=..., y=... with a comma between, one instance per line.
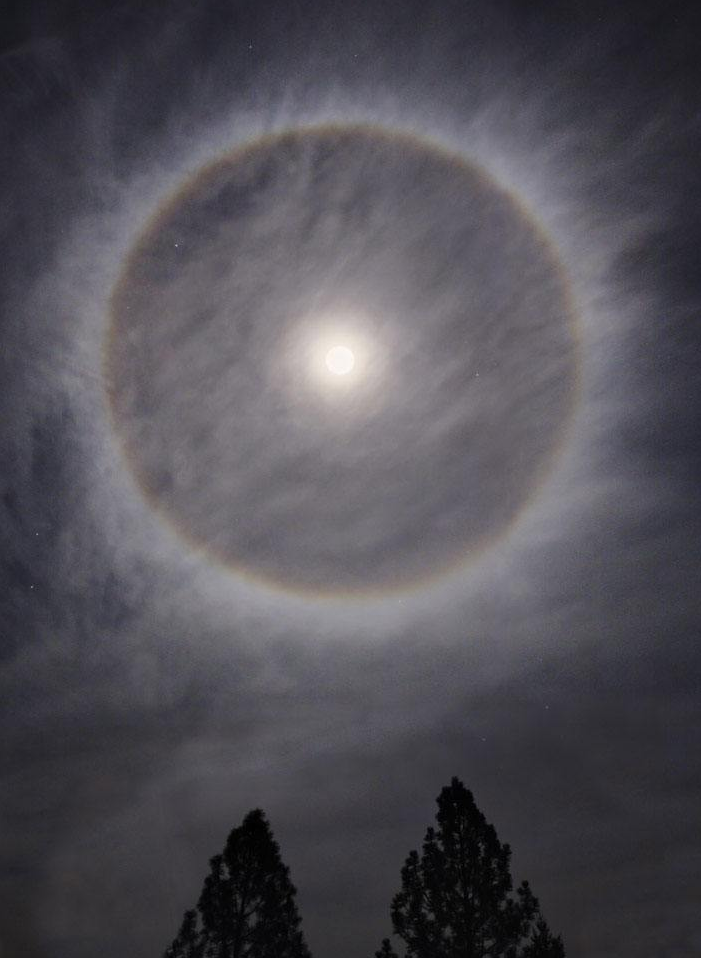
x=456, y=901
x=247, y=907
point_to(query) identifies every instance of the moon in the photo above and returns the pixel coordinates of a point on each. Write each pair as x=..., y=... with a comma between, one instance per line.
x=340, y=360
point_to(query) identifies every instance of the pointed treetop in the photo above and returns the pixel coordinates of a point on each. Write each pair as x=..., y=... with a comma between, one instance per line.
x=456, y=901
x=247, y=906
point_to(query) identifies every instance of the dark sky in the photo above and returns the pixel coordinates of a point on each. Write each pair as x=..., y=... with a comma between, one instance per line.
x=229, y=580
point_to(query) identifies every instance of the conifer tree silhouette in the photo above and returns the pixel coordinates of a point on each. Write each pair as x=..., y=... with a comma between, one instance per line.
x=247, y=907
x=455, y=900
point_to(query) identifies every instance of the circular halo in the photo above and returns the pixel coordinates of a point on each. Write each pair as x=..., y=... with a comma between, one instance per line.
x=388, y=265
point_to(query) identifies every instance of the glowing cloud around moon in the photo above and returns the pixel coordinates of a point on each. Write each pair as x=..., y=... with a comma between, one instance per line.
x=340, y=360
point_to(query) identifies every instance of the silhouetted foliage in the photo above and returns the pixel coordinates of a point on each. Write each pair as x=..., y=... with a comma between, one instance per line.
x=455, y=900
x=386, y=950
x=247, y=907
x=543, y=944
x=189, y=943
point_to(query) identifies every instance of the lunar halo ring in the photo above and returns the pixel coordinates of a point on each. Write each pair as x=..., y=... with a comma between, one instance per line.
x=465, y=360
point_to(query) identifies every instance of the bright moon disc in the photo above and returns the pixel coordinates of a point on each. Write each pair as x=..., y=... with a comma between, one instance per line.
x=340, y=360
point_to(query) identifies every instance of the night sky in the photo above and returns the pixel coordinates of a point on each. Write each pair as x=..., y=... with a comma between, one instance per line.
x=232, y=577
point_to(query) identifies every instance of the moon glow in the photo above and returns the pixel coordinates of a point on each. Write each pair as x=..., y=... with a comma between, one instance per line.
x=404, y=275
